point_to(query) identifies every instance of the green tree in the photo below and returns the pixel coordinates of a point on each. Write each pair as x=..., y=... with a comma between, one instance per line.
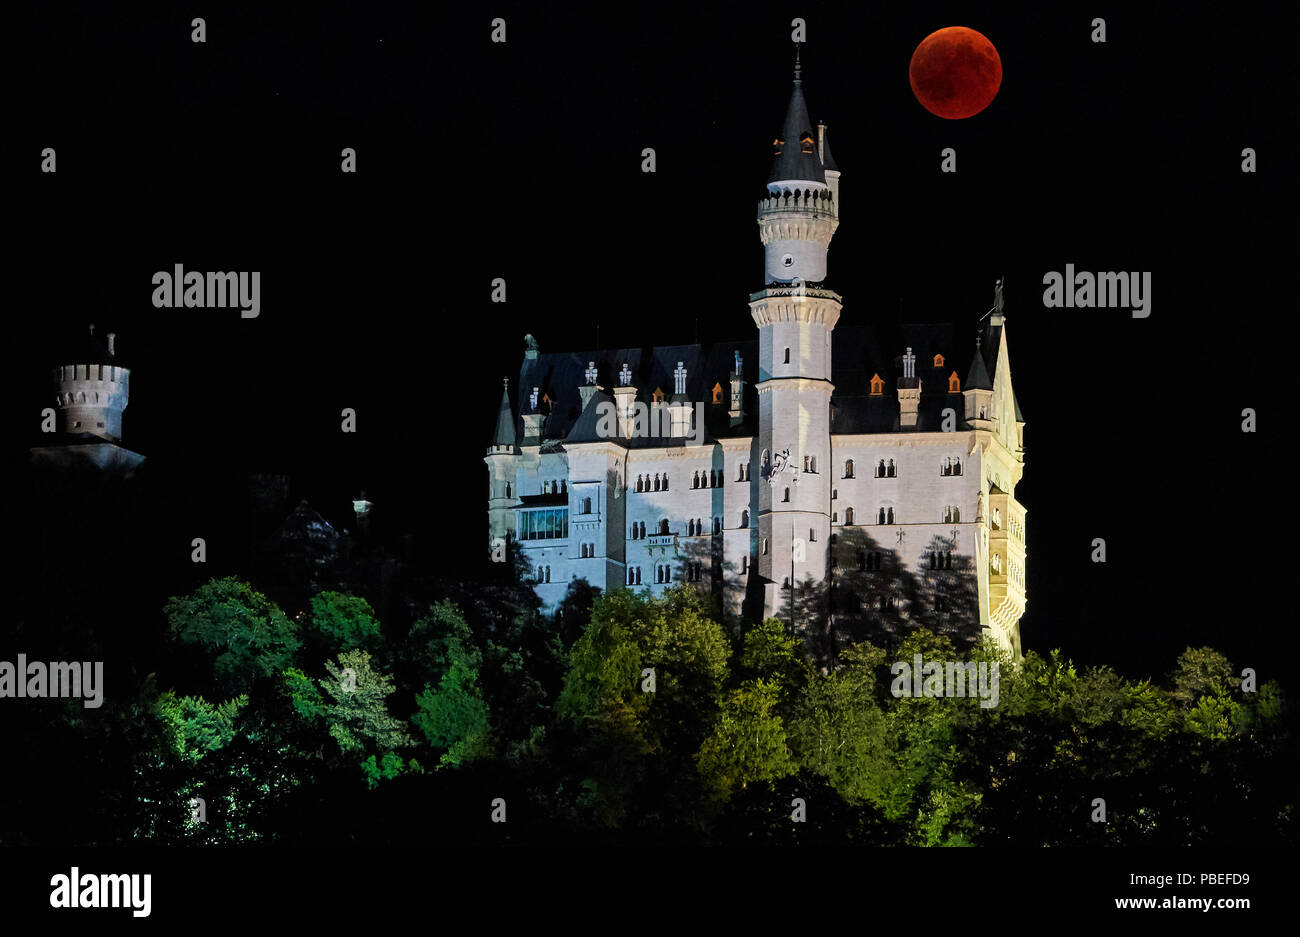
x=748, y=743
x=249, y=634
x=344, y=622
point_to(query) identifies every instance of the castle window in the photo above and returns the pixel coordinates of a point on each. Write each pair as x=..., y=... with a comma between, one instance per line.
x=880, y=469
x=656, y=481
x=893, y=470
x=586, y=505
x=788, y=260
x=848, y=516
x=889, y=513
x=744, y=519
x=787, y=495
x=777, y=145
x=658, y=395
x=835, y=493
x=765, y=546
x=938, y=361
x=848, y=468
x=638, y=483
x=695, y=482
x=812, y=535
x=880, y=516
x=665, y=481
x=814, y=465
x=508, y=489
x=787, y=356
x=717, y=393
x=717, y=524
x=835, y=519
x=663, y=527
x=877, y=385
x=954, y=382
x=744, y=565
x=805, y=144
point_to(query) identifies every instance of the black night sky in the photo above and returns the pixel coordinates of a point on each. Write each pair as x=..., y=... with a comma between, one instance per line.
x=522, y=161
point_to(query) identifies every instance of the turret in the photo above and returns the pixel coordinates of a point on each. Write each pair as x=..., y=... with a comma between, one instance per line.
x=92, y=395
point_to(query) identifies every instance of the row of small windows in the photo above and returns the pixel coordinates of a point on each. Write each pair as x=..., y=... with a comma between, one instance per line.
x=695, y=527
x=941, y=559
x=645, y=482
x=712, y=478
x=543, y=574
x=886, y=468
x=638, y=529
x=588, y=550
x=554, y=486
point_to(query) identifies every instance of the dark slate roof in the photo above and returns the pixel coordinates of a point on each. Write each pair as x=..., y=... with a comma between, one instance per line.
x=559, y=375
x=505, y=431
x=792, y=162
x=858, y=352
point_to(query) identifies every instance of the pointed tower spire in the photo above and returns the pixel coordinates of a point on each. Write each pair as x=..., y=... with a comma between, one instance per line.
x=794, y=152
x=504, y=437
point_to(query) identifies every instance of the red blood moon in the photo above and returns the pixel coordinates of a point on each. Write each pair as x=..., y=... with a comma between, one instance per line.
x=955, y=72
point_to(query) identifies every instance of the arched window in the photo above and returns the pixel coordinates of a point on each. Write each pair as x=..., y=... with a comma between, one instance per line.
x=877, y=385
x=717, y=525
x=880, y=469
x=954, y=383
x=787, y=495
x=814, y=465
x=586, y=505
x=938, y=361
x=848, y=515
x=892, y=472
x=766, y=463
x=508, y=490
x=638, y=483
x=787, y=356
x=695, y=482
x=848, y=468
x=642, y=530
x=765, y=546
x=665, y=481
x=656, y=481
x=890, y=515
x=663, y=527
x=744, y=519
x=744, y=565
x=956, y=515
x=812, y=535
x=956, y=467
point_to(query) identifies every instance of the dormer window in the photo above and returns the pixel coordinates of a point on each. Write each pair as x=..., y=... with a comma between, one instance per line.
x=717, y=393
x=938, y=361
x=658, y=395
x=777, y=145
x=954, y=383
x=806, y=144
x=877, y=385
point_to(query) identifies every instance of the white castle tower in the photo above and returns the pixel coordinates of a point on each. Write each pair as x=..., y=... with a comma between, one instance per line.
x=90, y=397
x=795, y=315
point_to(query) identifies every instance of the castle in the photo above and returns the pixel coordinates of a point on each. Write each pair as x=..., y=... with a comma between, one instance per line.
x=858, y=485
